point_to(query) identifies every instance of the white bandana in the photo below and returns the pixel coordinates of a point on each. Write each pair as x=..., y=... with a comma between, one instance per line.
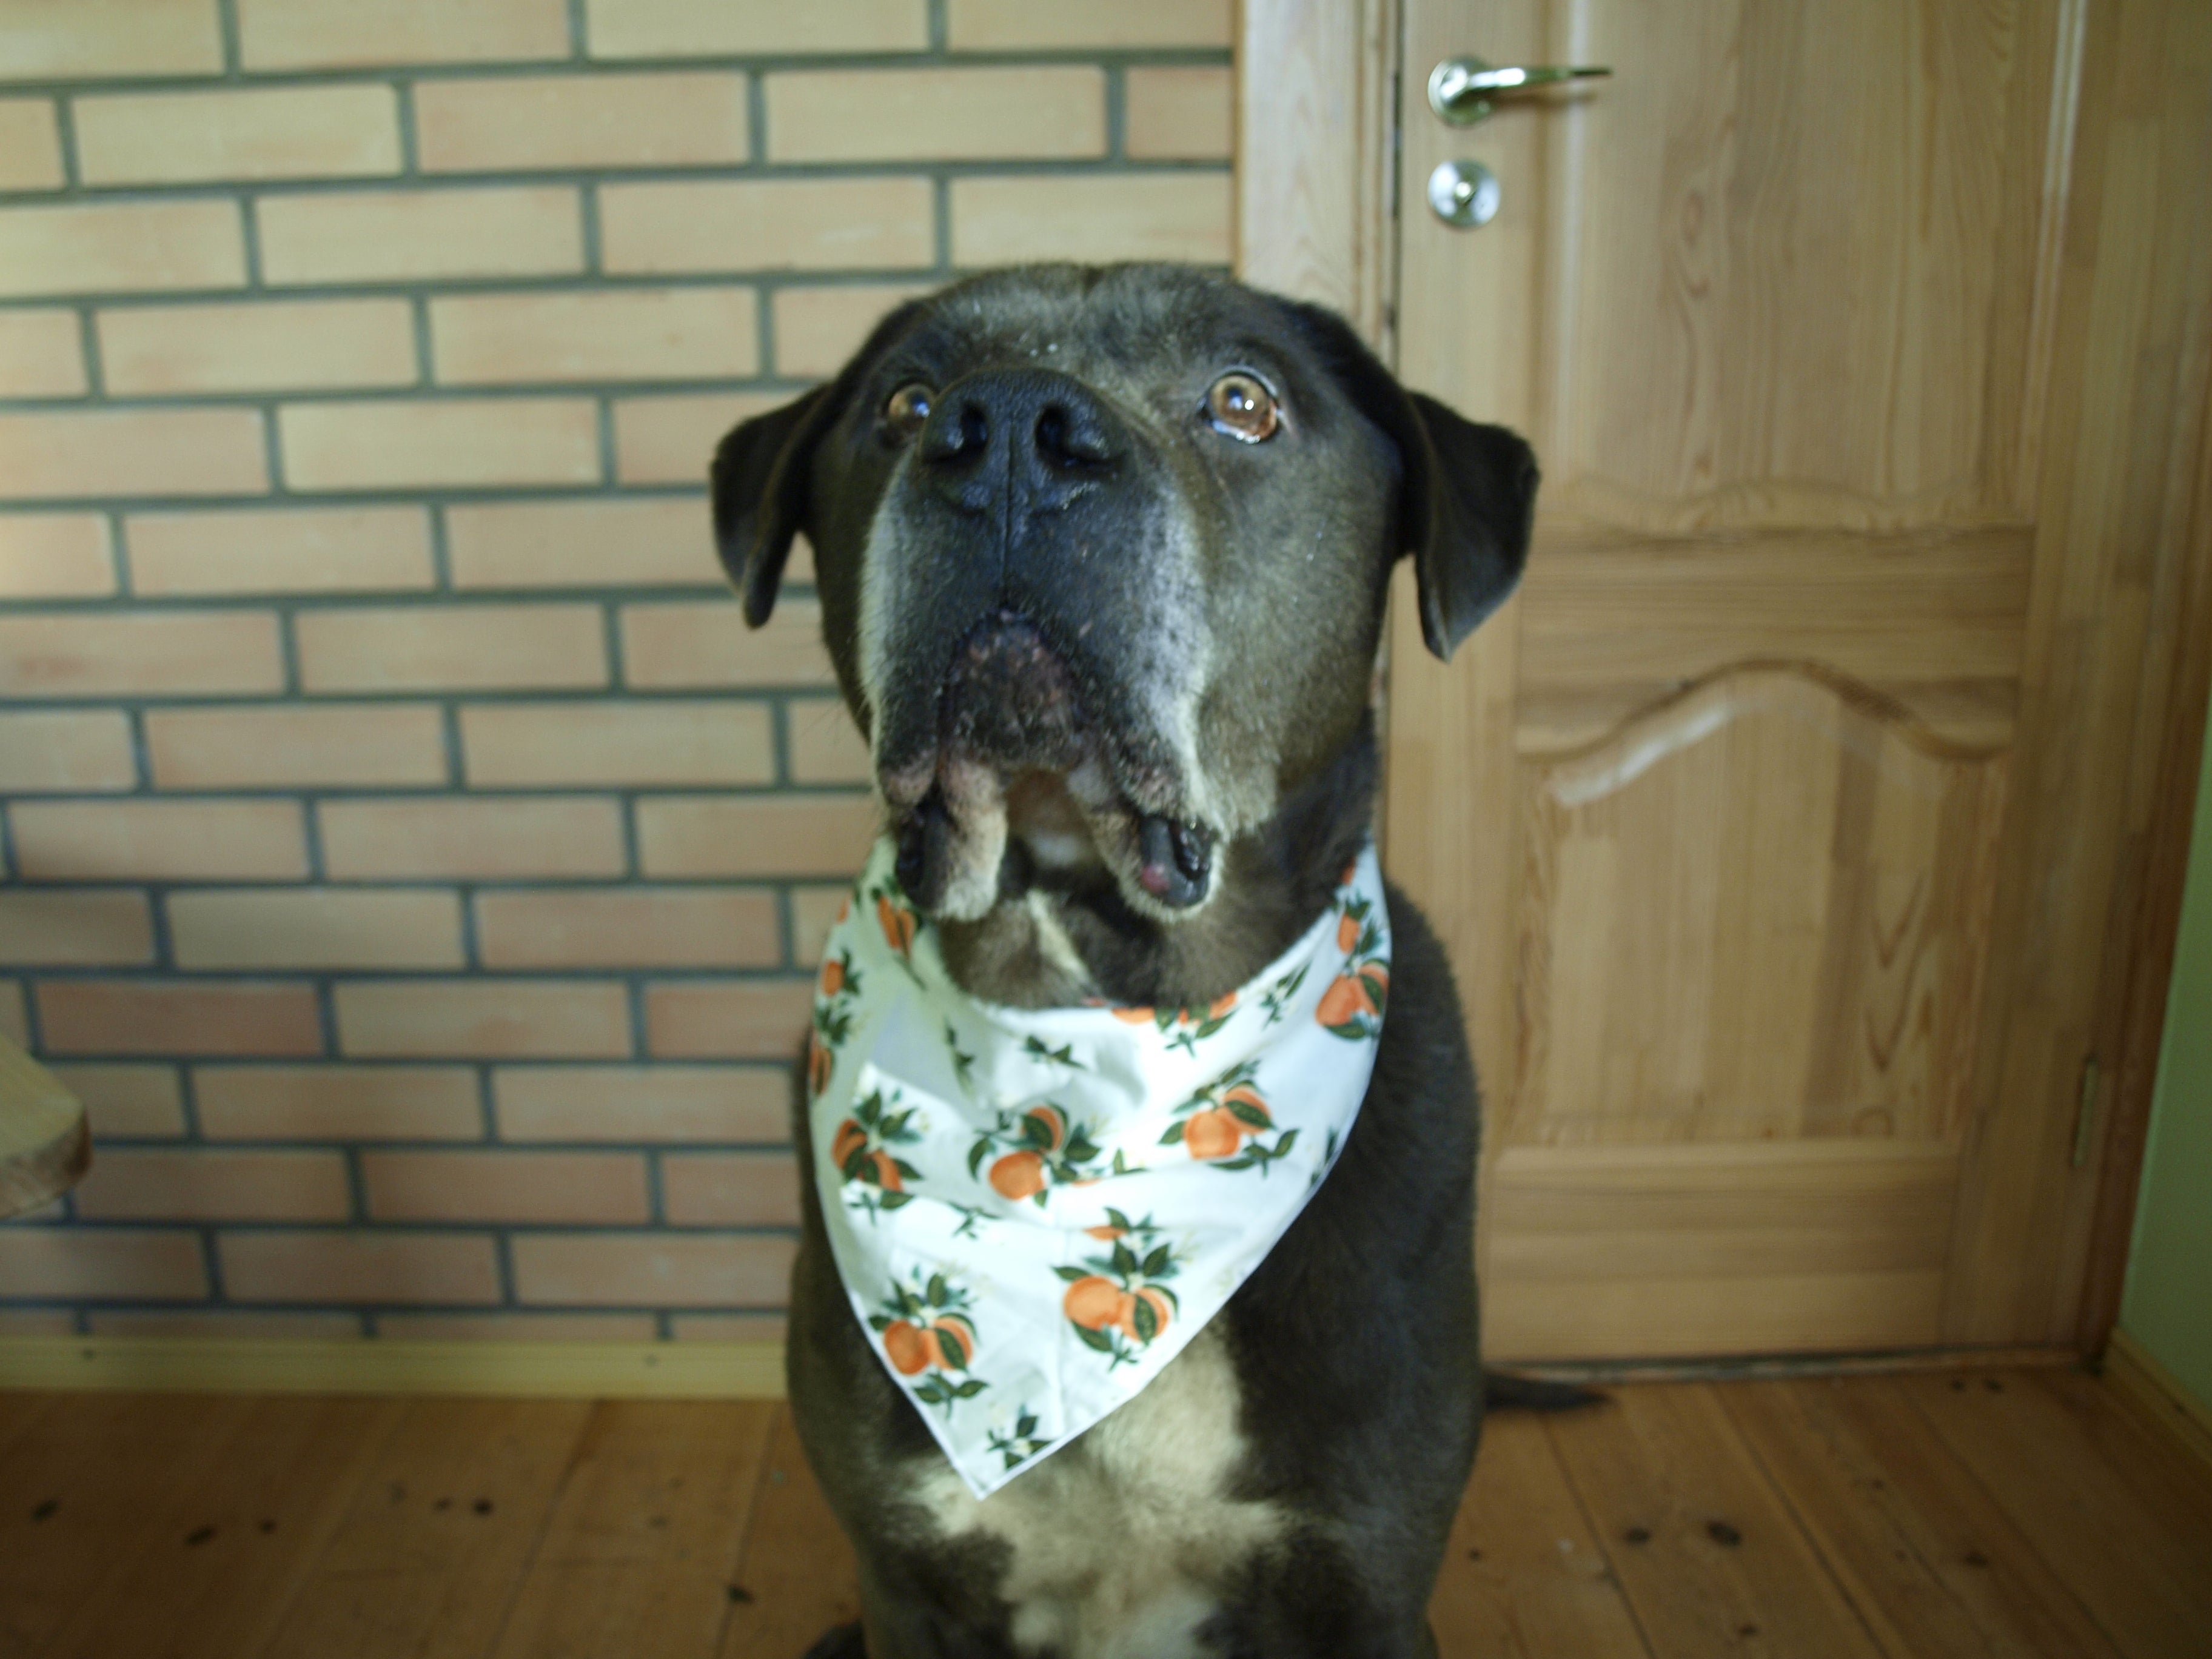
x=1033, y=1211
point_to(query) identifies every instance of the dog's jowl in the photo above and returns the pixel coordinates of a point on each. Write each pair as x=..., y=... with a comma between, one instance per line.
x=1135, y=1311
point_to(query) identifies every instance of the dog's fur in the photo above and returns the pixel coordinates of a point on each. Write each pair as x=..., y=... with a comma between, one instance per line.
x=1114, y=665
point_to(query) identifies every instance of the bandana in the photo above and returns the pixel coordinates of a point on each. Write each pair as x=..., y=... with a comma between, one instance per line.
x=1033, y=1211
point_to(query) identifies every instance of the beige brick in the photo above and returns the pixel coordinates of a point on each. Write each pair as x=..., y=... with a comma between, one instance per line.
x=1180, y=114
x=30, y=141
x=32, y=1321
x=284, y=345
x=41, y=352
x=1012, y=25
x=170, y=1017
x=716, y=28
x=814, y=911
x=80, y=927
x=317, y=928
x=87, y=40
x=680, y=644
x=638, y=541
x=730, y=1189
x=826, y=747
x=131, y=451
x=456, y=647
x=159, y=841
x=755, y=1330
x=315, y=549
x=214, y=1186
x=683, y=1104
x=484, y=1018
x=817, y=329
x=82, y=1263
x=516, y=1328
x=782, y=224
x=458, y=443
x=515, y=123
x=757, y=834
x=511, y=745
x=15, y=1019
x=403, y=1267
x=120, y=247
x=63, y=753
x=337, y=1102
x=55, y=556
x=598, y=1187
x=400, y=235
x=1030, y=113
x=1149, y=215
x=338, y=33
x=229, y=1324
x=739, y=1019
x=126, y=1101
x=464, y=839
x=661, y=1270
x=262, y=132
x=295, y=747
x=624, y=334
x=211, y=653
x=671, y=440
x=630, y=927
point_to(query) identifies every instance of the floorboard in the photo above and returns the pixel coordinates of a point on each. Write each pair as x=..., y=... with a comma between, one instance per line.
x=2102, y=1503
x=1927, y=1556
x=429, y=1556
x=1524, y=1575
x=2004, y=1515
x=210, y=1577
x=1709, y=1558
x=642, y=1546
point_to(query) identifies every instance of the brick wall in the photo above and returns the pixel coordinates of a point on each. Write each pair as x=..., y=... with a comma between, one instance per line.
x=408, y=854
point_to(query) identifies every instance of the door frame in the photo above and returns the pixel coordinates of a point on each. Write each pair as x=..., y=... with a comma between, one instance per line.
x=1317, y=200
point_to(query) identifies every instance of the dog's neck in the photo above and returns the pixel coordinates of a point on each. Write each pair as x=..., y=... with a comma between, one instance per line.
x=1062, y=939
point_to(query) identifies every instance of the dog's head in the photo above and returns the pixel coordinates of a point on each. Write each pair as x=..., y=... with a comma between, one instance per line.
x=1103, y=557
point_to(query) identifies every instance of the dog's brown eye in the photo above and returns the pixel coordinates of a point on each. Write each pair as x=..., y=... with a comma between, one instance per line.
x=906, y=409
x=1238, y=405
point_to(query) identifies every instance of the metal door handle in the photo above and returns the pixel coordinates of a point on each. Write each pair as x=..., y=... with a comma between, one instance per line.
x=1461, y=89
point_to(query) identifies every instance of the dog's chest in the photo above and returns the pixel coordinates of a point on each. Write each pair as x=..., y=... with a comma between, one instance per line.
x=1124, y=1542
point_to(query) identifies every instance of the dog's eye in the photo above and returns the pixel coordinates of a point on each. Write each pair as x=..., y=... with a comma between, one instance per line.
x=906, y=409
x=1238, y=406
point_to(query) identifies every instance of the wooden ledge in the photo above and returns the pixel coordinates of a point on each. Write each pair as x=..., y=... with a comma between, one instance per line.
x=44, y=1147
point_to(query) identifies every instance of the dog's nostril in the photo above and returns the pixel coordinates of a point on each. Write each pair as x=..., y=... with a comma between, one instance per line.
x=975, y=428
x=1064, y=442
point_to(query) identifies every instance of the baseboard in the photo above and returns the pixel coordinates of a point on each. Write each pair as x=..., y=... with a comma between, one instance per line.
x=682, y=1370
x=2154, y=1395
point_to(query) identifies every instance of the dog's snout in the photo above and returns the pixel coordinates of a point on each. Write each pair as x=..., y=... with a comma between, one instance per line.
x=1024, y=441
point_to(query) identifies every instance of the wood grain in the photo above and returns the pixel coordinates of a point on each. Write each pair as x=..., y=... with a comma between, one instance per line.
x=1524, y=1575
x=44, y=1147
x=426, y=1562
x=1758, y=912
x=640, y=1550
x=2107, y=1510
x=1711, y=1559
x=797, y=1576
x=212, y=1574
x=1926, y=1555
x=84, y=1489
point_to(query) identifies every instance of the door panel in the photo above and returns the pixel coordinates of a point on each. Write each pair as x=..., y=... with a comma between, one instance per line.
x=1746, y=821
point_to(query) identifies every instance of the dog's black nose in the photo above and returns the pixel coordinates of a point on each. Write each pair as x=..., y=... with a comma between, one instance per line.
x=1019, y=442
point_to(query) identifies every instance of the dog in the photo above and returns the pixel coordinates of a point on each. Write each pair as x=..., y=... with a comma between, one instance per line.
x=1103, y=557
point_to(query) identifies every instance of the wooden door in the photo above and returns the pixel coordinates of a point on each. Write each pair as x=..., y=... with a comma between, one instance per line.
x=1786, y=828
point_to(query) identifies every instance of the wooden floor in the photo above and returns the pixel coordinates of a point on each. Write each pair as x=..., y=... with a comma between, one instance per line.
x=2000, y=1514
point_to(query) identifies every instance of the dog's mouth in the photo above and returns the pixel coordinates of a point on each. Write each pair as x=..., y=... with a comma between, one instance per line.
x=1024, y=784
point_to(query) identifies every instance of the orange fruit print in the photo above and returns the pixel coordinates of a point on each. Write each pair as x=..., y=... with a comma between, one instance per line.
x=909, y=1350
x=1093, y=1302
x=1018, y=1175
x=898, y=924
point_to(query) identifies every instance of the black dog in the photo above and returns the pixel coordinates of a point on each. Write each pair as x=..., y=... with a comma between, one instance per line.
x=1103, y=557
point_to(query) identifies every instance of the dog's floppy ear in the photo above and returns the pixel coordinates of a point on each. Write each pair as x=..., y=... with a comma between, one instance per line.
x=1467, y=497
x=761, y=483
